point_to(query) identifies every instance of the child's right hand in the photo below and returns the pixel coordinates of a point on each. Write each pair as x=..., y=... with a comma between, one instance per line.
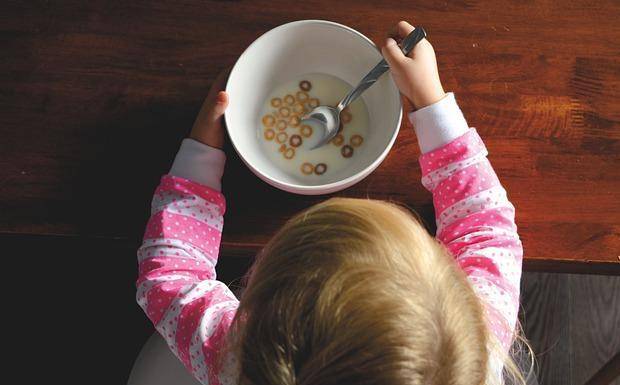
x=415, y=75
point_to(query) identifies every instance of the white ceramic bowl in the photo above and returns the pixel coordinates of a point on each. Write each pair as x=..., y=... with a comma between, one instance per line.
x=287, y=52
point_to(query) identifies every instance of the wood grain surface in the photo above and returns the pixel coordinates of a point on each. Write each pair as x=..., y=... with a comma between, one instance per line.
x=572, y=322
x=96, y=96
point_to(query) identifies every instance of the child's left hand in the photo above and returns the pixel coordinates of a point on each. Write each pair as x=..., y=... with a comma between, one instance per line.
x=209, y=126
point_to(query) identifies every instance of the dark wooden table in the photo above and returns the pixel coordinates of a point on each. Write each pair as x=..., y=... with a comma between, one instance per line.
x=96, y=96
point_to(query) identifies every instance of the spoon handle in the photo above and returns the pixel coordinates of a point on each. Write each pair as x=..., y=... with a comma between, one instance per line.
x=406, y=46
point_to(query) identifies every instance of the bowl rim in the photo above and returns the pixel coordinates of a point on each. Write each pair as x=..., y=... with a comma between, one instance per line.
x=327, y=187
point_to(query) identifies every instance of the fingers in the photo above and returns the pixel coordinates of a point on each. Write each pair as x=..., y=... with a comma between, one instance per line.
x=397, y=33
x=400, y=30
x=221, y=102
x=393, y=54
x=219, y=84
x=208, y=127
x=217, y=99
x=215, y=109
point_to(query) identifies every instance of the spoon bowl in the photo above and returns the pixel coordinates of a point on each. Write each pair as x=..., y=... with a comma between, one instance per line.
x=325, y=117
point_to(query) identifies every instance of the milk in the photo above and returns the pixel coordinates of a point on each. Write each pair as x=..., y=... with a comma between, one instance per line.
x=329, y=90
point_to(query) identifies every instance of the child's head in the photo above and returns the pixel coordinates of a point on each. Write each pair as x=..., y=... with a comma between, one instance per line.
x=357, y=292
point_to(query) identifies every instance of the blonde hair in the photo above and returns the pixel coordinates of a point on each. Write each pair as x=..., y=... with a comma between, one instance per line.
x=356, y=291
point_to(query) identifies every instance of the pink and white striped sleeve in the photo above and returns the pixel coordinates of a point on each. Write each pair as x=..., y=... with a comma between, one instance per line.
x=474, y=218
x=177, y=286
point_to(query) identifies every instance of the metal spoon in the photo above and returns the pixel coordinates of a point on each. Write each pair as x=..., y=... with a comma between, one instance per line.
x=329, y=117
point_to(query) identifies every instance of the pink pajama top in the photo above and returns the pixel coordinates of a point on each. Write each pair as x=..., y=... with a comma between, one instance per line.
x=192, y=310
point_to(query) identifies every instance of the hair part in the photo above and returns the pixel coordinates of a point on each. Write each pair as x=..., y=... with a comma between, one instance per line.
x=357, y=291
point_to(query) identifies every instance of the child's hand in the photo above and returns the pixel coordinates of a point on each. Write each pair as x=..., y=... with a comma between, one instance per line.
x=415, y=75
x=209, y=127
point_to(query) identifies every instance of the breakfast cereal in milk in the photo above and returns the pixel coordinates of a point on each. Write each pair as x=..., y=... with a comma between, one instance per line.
x=287, y=141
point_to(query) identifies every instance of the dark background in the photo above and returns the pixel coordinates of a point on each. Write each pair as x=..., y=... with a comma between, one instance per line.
x=70, y=315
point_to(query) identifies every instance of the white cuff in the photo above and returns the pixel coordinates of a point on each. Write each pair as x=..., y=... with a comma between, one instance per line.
x=438, y=124
x=200, y=163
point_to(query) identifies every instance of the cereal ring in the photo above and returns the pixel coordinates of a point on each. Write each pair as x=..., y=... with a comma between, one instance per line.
x=294, y=121
x=346, y=117
x=289, y=99
x=289, y=153
x=281, y=126
x=302, y=96
x=282, y=148
x=285, y=112
x=356, y=140
x=346, y=151
x=307, y=168
x=281, y=137
x=305, y=85
x=298, y=108
x=295, y=140
x=269, y=134
x=276, y=102
x=338, y=140
x=314, y=102
x=305, y=130
x=269, y=120
x=320, y=169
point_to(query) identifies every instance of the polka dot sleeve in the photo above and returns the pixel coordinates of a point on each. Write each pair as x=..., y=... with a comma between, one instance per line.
x=177, y=286
x=476, y=222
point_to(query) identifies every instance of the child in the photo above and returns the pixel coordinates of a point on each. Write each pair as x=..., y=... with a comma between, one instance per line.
x=349, y=291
